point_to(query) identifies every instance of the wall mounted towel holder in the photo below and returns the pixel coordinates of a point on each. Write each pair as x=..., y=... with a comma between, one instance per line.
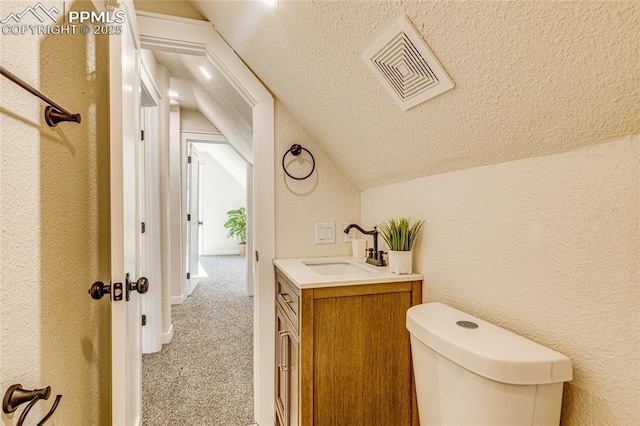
x=16, y=396
x=54, y=113
x=295, y=150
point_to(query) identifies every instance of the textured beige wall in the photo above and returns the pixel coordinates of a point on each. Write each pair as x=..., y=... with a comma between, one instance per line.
x=181, y=8
x=54, y=207
x=548, y=248
x=193, y=121
x=326, y=196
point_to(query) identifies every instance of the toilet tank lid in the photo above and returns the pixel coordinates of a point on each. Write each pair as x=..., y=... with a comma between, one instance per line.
x=488, y=350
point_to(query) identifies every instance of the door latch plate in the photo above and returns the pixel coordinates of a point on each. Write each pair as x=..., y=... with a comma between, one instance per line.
x=117, y=292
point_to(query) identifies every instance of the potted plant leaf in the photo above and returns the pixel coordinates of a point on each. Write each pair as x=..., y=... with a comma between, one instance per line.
x=237, y=226
x=400, y=235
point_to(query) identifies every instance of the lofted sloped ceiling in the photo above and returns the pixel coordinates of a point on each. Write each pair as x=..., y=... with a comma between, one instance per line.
x=214, y=97
x=532, y=78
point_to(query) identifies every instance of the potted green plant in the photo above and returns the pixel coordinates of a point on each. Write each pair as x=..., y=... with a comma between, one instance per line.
x=400, y=235
x=237, y=226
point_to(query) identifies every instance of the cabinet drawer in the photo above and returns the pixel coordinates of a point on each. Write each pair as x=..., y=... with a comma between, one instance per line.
x=288, y=299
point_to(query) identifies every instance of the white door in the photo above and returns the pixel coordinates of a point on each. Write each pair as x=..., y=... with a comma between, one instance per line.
x=194, y=215
x=124, y=109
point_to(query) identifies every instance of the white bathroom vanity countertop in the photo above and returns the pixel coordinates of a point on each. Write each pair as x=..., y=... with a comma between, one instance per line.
x=314, y=272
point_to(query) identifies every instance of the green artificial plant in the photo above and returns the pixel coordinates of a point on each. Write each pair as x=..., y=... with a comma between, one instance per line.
x=237, y=224
x=400, y=234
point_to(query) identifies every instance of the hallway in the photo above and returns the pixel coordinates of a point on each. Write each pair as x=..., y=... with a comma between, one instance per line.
x=205, y=375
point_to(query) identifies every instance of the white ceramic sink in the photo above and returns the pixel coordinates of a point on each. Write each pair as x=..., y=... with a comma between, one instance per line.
x=317, y=272
x=336, y=268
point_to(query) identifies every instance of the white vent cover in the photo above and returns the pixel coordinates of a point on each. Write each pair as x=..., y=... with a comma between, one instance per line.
x=406, y=67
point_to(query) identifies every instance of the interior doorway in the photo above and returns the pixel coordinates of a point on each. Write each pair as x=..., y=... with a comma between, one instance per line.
x=219, y=194
x=200, y=41
x=211, y=348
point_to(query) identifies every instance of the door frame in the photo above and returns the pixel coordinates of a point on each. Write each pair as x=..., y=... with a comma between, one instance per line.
x=150, y=253
x=188, y=36
x=124, y=128
x=188, y=137
x=187, y=189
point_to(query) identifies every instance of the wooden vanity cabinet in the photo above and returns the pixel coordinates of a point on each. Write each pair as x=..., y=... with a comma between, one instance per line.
x=287, y=371
x=343, y=355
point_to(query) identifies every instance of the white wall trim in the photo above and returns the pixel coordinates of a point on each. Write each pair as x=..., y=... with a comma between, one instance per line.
x=150, y=241
x=149, y=83
x=193, y=283
x=186, y=36
x=168, y=336
x=219, y=138
x=176, y=300
x=175, y=256
x=220, y=253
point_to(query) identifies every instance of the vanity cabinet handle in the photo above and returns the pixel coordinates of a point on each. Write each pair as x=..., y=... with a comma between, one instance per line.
x=285, y=367
x=284, y=298
x=281, y=359
x=284, y=337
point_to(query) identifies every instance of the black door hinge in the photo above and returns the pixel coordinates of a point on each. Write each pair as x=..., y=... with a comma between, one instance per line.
x=188, y=275
x=257, y=256
x=143, y=228
x=189, y=159
x=188, y=218
x=144, y=320
x=141, y=135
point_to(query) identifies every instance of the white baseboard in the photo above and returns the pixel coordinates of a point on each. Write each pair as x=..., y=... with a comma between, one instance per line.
x=220, y=252
x=193, y=286
x=166, y=337
x=177, y=300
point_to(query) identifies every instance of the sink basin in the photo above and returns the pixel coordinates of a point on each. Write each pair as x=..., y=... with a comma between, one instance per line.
x=336, y=268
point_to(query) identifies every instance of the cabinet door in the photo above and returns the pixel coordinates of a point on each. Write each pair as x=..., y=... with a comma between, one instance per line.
x=287, y=371
x=362, y=358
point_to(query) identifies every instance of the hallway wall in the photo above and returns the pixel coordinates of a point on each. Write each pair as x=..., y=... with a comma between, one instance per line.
x=326, y=196
x=221, y=192
x=54, y=218
x=193, y=121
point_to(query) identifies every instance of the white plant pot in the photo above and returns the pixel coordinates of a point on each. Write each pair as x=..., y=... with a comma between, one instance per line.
x=401, y=262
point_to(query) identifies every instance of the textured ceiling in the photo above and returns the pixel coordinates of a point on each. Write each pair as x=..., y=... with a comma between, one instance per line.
x=215, y=98
x=532, y=78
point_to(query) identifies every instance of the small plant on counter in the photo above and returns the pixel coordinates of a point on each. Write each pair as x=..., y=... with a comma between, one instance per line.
x=400, y=234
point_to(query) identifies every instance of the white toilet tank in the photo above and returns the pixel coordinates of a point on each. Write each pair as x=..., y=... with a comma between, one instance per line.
x=471, y=372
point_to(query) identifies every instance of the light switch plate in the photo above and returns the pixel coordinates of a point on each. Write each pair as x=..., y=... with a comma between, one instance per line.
x=325, y=233
x=329, y=233
x=319, y=233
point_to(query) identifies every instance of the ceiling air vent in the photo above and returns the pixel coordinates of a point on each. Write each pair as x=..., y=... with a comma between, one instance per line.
x=406, y=66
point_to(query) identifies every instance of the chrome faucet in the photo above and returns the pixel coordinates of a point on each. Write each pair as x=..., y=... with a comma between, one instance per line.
x=375, y=257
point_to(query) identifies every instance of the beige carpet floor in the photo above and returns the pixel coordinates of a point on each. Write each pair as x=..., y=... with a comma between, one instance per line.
x=205, y=375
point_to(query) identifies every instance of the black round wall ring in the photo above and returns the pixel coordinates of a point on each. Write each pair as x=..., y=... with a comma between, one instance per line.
x=295, y=150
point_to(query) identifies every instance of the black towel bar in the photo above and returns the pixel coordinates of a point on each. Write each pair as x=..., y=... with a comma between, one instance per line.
x=54, y=113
